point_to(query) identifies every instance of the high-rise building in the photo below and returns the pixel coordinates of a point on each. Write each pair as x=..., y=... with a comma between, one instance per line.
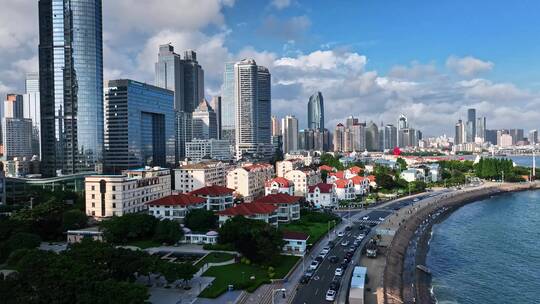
x=276, y=126
x=471, y=125
x=204, y=122
x=13, y=106
x=31, y=109
x=139, y=126
x=17, y=135
x=289, y=127
x=533, y=137
x=459, y=137
x=228, y=114
x=372, y=137
x=351, y=121
x=316, y=112
x=390, y=137
x=252, y=95
x=216, y=105
x=71, y=85
x=491, y=136
x=358, y=137
x=31, y=83
x=480, y=130
x=402, y=125
x=339, y=138
x=518, y=135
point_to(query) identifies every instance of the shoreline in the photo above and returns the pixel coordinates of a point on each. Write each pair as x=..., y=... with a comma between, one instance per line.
x=403, y=282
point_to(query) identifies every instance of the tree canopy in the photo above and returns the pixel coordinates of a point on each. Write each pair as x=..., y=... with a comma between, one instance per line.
x=201, y=220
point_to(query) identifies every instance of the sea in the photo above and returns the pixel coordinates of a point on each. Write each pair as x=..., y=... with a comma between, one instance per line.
x=488, y=252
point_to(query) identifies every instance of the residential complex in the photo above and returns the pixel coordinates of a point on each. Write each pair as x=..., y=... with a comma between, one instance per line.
x=248, y=181
x=193, y=176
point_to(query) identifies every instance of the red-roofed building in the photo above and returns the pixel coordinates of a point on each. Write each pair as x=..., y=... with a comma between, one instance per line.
x=285, y=166
x=288, y=206
x=217, y=197
x=256, y=211
x=333, y=176
x=322, y=195
x=372, y=181
x=303, y=178
x=279, y=185
x=355, y=170
x=344, y=189
x=361, y=185
x=295, y=243
x=327, y=168
x=175, y=206
x=248, y=181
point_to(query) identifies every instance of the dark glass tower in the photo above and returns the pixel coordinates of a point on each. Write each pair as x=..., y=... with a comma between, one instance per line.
x=316, y=112
x=71, y=85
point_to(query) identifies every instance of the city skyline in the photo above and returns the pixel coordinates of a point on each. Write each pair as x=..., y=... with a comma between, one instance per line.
x=430, y=87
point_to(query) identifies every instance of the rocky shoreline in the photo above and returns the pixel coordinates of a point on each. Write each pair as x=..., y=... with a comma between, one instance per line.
x=403, y=282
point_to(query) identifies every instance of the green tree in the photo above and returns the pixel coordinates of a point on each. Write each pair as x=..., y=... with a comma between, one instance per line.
x=20, y=240
x=402, y=164
x=201, y=220
x=74, y=219
x=385, y=181
x=168, y=232
x=329, y=160
x=129, y=227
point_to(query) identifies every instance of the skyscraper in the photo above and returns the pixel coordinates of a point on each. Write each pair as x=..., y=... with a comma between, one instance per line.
x=16, y=130
x=276, y=126
x=459, y=137
x=31, y=109
x=471, y=125
x=533, y=137
x=13, y=106
x=139, y=126
x=252, y=95
x=228, y=114
x=351, y=121
x=401, y=126
x=71, y=85
x=480, y=129
x=372, y=137
x=316, y=111
x=204, y=122
x=289, y=127
x=31, y=83
x=358, y=137
x=390, y=137
x=216, y=105
x=339, y=138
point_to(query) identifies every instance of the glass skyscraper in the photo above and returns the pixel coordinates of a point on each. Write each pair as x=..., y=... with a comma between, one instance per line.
x=228, y=106
x=71, y=85
x=316, y=112
x=139, y=126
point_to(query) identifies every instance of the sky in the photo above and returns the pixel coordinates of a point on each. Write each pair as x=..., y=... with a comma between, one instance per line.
x=374, y=59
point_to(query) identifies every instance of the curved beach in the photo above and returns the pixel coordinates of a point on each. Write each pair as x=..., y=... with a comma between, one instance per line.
x=403, y=281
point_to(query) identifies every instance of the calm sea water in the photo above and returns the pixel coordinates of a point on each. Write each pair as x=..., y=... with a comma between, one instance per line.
x=489, y=252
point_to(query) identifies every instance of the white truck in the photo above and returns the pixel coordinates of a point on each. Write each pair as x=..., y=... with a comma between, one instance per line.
x=356, y=292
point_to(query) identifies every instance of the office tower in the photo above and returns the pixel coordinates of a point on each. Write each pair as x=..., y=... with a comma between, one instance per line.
x=216, y=105
x=372, y=137
x=71, y=85
x=193, y=81
x=204, y=122
x=184, y=132
x=17, y=135
x=518, y=135
x=339, y=138
x=459, y=137
x=533, y=137
x=276, y=126
x=31, y=83
x=358, y=137
x=306, y=139
x=31, y=109
x=228, y=114
x=471, y=125
x=321, y=141
x=351, y=121
x=402, y=125
x=390, y=137
x=139, y=126
x=491, y=136
x=316, y=112
x=252, y=97
x=13, y=106
x=289, y=127
x=480, y=134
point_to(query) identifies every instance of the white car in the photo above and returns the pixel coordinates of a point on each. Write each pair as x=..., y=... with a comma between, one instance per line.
x=340, y=234
x=381, y=219
x=325, y=250
x=416, y=199
x=360, y=237
x=330, y=295
x=365, y=218
x=313, y=265
x=345, y=243
x=338, y=272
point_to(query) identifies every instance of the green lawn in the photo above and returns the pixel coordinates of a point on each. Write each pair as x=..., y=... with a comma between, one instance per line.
x=215, y=257
x=239, y=275
x=143, y=244
x=315, y=230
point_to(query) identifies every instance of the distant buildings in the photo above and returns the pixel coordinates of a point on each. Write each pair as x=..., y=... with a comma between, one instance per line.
x=471, y=125
x=372, y=137
x=289, y=128
x=204, y=122
x=190, y=177
x=228, y=104
x=390, y=137
x=31, y=109
x=216, y=105
x=249, y=180
x=316, y=112
x=201, y=149
x=533, y=137
x=16, y=130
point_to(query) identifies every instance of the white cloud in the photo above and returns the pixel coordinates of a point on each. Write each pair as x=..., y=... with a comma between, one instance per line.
x=468, y=66
x=280, y=4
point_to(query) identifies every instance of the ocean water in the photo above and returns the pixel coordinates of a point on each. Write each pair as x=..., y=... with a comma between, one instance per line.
x=488, y=252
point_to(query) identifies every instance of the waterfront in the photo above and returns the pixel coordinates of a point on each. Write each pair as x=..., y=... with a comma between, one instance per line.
x=487, y=251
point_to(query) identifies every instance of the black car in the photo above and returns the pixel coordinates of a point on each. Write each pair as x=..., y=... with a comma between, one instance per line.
x=361, y=227
x=352, y=249
x=334, y=285
x=305, y=279
x=331, y=244
x=372, y=224
x=344, y=264
x=333, y=259
x=348, y=228
x=319, y=259
x=348, y=255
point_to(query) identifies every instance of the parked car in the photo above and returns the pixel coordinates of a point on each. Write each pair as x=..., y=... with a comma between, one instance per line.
x=365, y=218
x=330, y=295
x=340, y=234
x=323, y=254
x=352, y=249
x=333, y=259
x=314, y=265
x=381, y=218
x=360, y=237
x=305, y=279
x=325, y=250
x=319, y=259
x=338, y=272
x=345, y=243
x=348, y=228
x=356, y=243
x=331, y=244
x=416, y=199
x=334, y=285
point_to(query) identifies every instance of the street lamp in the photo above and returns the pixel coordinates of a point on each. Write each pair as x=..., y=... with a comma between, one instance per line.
x=274, y=293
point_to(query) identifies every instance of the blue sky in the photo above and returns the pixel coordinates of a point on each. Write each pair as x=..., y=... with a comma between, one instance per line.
x=376, y=59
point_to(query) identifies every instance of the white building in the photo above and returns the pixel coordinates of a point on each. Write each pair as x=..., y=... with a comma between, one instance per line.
x=204, y=122
x=295, y=243
x=360, y=184
x=302, y=179
x=285, y=166
x=175, y=207
x=199, y=238
x=413, y=174
x=308, y=157
x=248, y=181
x=279, y=185
x=256, y=211
x=289, y=129
x=322, y=195
x=288, y=206
x=190, y=177
x=217, y=198
x=116, y=195
x=345, y=189
x=200, y=149
x=434, y=174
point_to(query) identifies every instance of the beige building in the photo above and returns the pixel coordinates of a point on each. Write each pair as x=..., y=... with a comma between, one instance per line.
x=116, y=195
x=190, y=177
x=302, y=179
x=249, y=180
x=285, y=166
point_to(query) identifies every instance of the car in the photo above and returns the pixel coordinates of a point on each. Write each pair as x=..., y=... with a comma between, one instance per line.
x=325, y=250
x=331, y=244
x=416, y=199
x=341, y=233
x=348, y=254
x=330, y=295
x=352, y=249
x=338, y=272
x=361, y=227
x=381, y=218
x=348, y=228
x=360, y=237
x=319, y=259
x=305, y=279
x=323, y=254
x=372, y=224
x=309, y=273
x=356, y=243
x=345, y=243
x=365, y=218
x=333, y=259
x=314, y=265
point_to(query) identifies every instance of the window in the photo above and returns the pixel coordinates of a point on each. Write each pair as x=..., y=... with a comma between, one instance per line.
x=114, y=196
x=93, y=196
x=113, y=188
x=93, y=205
x=93, y=188
x=114, y=205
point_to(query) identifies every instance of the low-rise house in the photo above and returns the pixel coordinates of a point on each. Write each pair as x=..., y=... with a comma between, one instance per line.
x=285, y=166
x=256, y=211
x=76, y=236
x=308, y=157
x=360, y=184
x=322, y=195
x=434, y=173
x=199, y=238
x=413, y=174
x=302, y=179
x=175, y=207
x=279, y=185
x=217, y=198
x=345, y=189
x=191, y=177
x=372, y=181
x=295, y=243
x=334, y=176
x=288, y=206
x=248, y=180
x=327, y=168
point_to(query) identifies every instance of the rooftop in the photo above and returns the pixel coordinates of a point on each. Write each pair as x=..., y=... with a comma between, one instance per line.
x=247, y=209
x=213, y=190
x=179, y=199
x=278, y=198
x=293, y=235
x=283, y=182
x=324, y=188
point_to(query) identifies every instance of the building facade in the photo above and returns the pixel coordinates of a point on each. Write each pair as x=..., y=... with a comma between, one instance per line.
x=218, y=198
x=190, y=177
x=302, y=179
x=204, y=122
x=17, y=137
x=316, y=111
x=200, y=149
x=175, y=207
x=289, y=128
x=248, y=181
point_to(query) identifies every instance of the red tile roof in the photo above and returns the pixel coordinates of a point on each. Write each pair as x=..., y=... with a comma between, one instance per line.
x=324, y=188
x=257, y=166
x=326, y=168
x=283, y=182
x=183, y=200
x=293, y=235
x=371, y=178
x=339, y=174
x=247, y=209
x=212, y=191
x=341, y=183
x=278, y=198
x=357, y=180
x=355, y=170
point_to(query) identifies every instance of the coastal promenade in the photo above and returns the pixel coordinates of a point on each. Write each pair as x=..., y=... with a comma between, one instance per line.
x=401, y=281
